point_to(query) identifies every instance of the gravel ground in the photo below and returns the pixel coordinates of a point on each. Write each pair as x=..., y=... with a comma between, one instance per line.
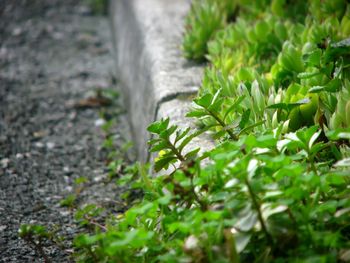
x=53, y=54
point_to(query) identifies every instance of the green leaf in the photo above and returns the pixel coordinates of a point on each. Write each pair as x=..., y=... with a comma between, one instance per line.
x=164, y=200
x=343, y=163
x=335, y=51
x=289, y=106
x=244, y=118
x=166, y=133
x=204, y=101
x=334, y=85
x=181, y=134
x=192, y=154
x=314, y=58
x=251, y=127
x=196, y=113
x=87, y=240
x=247, y=221
x=219, y=134
x=316, y=89
x=183, y=227
x=241, y=240
x=336, y=178
x=135, y=238
x=307, y=75
x=266, y=141
x=216, y=97
x=164, y=162
x=269, y=209
x=313, y=138
x=308, y=134
x=159, y=146
x=338, y=134
x=158, y=126
x=234, y=106
x=216, y=107
x=190, y=137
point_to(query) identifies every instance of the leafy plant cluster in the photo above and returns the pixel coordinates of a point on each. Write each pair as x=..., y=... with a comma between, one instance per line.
x=275, y=97
x=288, y=59
x=275, y=189
x=271, y=197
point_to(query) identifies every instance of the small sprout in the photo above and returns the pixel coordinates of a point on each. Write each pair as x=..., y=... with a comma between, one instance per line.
x=69, y=201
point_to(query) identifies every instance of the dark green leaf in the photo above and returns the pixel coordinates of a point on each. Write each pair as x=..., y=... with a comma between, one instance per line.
x=159, y=146
x=244, y=119
x=181, y=134
x=307, y=75
x=314, y=58
x=234, y=106
x=316, y=89
x=334, y=85
x=197, y=113
x=204, y=101
x=192, y=154
x=158, y=126
x=163, y=162
x=190, y=137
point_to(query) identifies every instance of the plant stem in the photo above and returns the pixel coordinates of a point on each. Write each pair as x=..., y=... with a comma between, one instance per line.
x=38, y=247
x=93, y=222
x=196, y=197
x=313, y=167
x=175, y=151
x=222, y=123
x=257, y=207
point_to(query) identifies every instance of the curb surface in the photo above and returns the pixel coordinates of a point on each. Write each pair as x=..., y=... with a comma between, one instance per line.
x=156, y=80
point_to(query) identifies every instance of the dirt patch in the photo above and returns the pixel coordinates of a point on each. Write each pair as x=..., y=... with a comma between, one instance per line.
x=52, y=54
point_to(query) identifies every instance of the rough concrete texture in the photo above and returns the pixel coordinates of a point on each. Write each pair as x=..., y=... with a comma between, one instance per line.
x=150, y=65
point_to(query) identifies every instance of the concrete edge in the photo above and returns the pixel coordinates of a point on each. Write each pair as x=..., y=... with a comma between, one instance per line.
x=156, y=81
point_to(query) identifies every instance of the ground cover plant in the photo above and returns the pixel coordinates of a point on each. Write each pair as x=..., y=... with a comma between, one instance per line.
x=276, y=98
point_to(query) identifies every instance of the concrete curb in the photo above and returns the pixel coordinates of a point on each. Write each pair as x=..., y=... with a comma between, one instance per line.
x=156, y=80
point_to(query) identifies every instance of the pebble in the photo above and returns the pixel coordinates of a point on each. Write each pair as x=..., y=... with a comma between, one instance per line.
x=17, y=31
x=72, y=115
x=57, y=35
x=99, y=122
x=39, y=145
x=65, y=213
x=98, y=178
x=69, y=188
x=19, y=156
x=39, y=134
x=67, y=170
x=50, y=145
x=5, y=162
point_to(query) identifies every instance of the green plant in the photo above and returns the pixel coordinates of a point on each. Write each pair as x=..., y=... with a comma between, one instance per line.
x=204, y=19
x=38, y=237
x=258, y=195
x=265, y=57
x=69, y=201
